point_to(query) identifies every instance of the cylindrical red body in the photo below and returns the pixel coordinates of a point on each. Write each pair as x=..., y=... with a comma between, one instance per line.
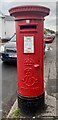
x=30, y=49
x=30, y=76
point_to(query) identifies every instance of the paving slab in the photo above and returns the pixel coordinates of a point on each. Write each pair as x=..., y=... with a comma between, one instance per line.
x=50, y=110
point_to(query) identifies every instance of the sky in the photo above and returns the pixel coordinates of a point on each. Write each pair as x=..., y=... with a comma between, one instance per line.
x=50, y=21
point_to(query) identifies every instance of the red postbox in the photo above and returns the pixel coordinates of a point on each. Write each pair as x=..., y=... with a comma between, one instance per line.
x=30, y=54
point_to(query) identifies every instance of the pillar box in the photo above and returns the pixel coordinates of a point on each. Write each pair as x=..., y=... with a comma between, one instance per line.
x=30, y=53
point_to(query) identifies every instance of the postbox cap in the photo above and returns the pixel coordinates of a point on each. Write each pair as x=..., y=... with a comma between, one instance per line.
x=29, y=9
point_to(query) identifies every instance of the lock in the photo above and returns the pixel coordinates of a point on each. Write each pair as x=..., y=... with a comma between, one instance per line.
x=36, y=65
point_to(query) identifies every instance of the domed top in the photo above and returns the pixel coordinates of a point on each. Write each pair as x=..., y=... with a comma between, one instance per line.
x=39, y=10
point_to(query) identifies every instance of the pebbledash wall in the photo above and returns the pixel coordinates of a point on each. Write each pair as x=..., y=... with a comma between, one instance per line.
x=7, y=26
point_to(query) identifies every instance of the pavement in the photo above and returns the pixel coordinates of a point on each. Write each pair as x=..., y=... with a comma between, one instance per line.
x=51, y=95
x=49, y=112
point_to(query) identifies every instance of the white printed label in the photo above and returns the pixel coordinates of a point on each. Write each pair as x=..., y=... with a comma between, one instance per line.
x=28, y=44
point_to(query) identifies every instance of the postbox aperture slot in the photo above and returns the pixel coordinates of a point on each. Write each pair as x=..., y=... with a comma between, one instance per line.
x=24, y=27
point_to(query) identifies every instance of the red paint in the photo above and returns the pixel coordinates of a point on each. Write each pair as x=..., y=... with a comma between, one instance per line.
x=48, y=39
x=30, y=66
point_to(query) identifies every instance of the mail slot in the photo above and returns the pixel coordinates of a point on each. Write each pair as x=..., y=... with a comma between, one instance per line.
x=30, y=56
x=22, y=27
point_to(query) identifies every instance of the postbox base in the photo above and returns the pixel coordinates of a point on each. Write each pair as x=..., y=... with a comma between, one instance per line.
x=30, y=106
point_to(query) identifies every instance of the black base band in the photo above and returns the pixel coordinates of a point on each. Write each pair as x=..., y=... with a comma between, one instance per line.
x=30, y=106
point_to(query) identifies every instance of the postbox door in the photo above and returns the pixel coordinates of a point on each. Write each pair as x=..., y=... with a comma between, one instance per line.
x=30, y=60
